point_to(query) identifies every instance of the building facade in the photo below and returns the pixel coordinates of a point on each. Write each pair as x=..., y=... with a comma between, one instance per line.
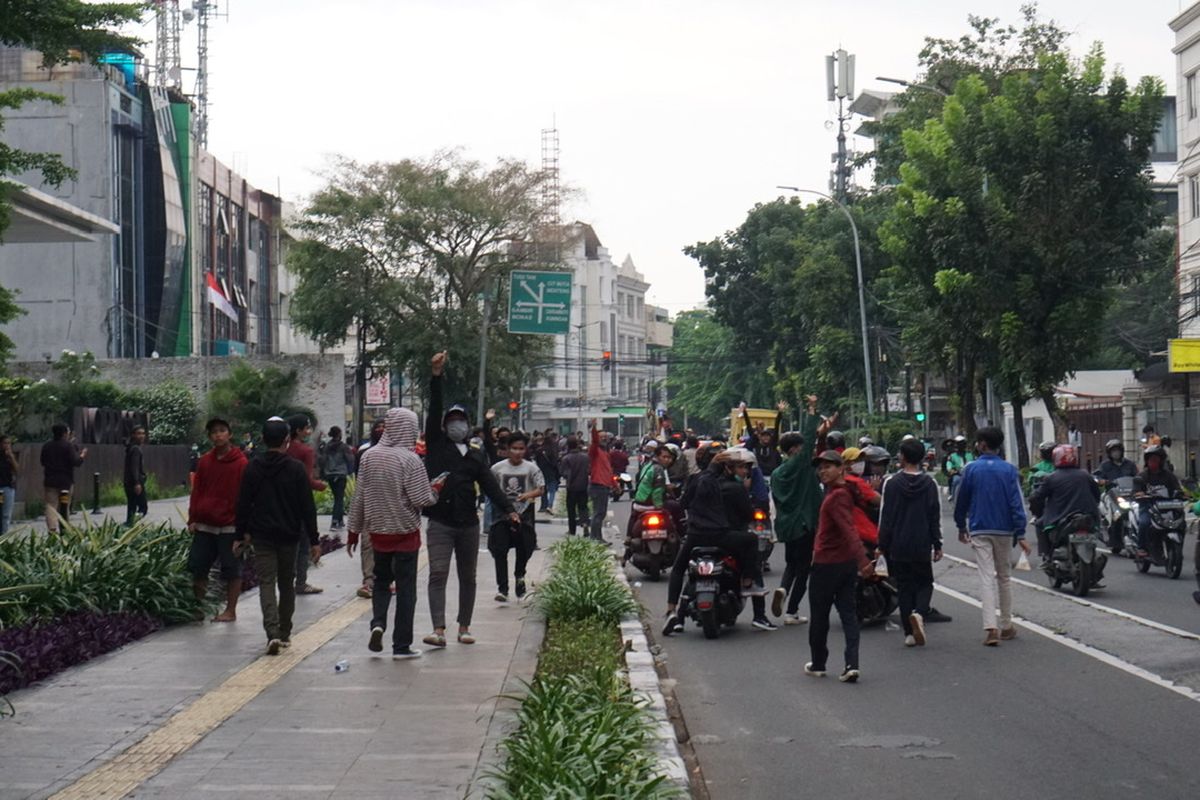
x=1187, y=73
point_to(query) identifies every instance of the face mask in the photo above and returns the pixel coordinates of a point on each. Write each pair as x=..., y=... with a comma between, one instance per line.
x=858, y=467
x=457, y=430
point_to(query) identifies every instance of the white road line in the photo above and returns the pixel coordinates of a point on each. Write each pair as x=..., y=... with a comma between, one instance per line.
x=1080, y=647
x=1116, y=612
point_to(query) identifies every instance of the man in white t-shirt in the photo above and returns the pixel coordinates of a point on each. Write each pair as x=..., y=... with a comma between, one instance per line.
x=522, y=482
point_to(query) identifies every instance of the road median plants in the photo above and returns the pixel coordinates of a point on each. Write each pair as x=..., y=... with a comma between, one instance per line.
x=581, y=731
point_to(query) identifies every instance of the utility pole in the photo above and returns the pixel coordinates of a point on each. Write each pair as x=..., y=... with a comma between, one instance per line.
x=483, y=352
x=839, y=75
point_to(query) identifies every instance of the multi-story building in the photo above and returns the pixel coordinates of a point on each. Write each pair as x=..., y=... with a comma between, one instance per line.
x=1187, y=72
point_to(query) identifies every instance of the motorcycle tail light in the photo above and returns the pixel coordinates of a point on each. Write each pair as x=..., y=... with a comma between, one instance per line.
x=759, y=515
x=704, y=568
x=654, y=521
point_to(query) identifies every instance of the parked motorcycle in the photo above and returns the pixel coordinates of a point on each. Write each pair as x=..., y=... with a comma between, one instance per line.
x=1115, y=508
x=653, y=542
x=1073, y=557
x=712, y=595
x=761, y=527
x=1164, y=539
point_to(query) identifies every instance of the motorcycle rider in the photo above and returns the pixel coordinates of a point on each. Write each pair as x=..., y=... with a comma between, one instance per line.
x=1065, y=491
x=1041, y=469
x=956, y=462
x=835, y=440
x=654, y=490
x=1155, y=474
x=1116, y=465
x=718, y=506
x=618, y=458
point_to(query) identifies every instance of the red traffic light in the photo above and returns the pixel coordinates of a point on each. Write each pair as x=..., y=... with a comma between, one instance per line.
x=513, y=405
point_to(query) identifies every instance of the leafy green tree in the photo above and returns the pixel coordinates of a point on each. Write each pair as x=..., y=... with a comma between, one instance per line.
x=172, y=410
x=248, y=396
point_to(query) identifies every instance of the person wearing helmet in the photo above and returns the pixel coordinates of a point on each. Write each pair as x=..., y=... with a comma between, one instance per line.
x=678, y=471
x=1065, y=491
x=835, y=440
x=956, y=462
x=1155, y=478
x=877, y=460
x=1115, y=464
x=864, y=442
x=1041, y=469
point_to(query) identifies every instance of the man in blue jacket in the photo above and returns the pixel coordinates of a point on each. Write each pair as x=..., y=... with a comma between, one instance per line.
x=990, y=513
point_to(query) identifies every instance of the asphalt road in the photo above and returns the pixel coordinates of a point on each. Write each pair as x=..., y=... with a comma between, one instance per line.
x=1084, y=703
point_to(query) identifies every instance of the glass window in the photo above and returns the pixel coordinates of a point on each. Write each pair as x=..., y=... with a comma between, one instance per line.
x=1194, y=195
x=641, y=308
x=629, y=305
x=1191, y=95
x=621, y=303
x=603, y=333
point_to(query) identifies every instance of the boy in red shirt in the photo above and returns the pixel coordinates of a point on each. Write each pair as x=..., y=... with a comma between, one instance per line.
x=212, y=514
x=301, y=429
x=838, y=559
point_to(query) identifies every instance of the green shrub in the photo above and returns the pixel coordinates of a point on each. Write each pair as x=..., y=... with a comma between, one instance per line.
x=324, y=498
x=582, y=586
x=577, y=648
x=113, y=494
x=173, y=411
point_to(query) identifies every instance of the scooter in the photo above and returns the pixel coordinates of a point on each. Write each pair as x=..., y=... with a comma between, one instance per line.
x=618, y=487
x=1115, y=508
x=1073, y=557
x=712, y=595
x=653, y=542
x=1164, y=539
x=762, y=529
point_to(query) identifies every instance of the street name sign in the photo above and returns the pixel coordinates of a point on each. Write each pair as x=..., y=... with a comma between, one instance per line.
x=539, y=302
x=1183, y=355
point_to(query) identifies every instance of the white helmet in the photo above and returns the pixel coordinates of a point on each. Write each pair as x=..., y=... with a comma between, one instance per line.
x=743, y=455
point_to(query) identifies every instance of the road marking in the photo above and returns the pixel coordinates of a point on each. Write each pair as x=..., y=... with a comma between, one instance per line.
x=1116, y=612
x=144, y=759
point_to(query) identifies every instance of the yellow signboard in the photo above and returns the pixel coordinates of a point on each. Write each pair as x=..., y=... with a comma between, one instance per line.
x=1183, y=355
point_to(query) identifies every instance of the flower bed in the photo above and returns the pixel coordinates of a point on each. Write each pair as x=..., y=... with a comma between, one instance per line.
x=582, y=732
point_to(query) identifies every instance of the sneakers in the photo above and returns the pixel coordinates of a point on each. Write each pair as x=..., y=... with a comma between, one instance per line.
x=777, y=598
x=465, y=637
x=992, y=639
x=285, y=643
x=520, y=588
x=910, y=641
x=405, y=653
x=273, y=647
x=1008, y=633
x=763, y=624
x=936, y=616
x=794, y=619
x=375, y=645
x=364, y=591
x=755, y=589
x=501, y=597
x=435, y=640
x=849, y=675
x=809, y=669
x=917, y=624
x=308, y=588
x=671, y=623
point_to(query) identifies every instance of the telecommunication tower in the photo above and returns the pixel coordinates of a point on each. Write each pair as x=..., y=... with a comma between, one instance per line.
x=205, y=11
x=551, y=205
x=839, y=74
x=166, y=40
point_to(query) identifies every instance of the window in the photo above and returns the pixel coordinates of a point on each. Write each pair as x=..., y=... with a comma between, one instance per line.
x=1191, y=95
x=1195, y=296
x=629, y=306
x=620, y=303
x=603, y=333
x=641, y=348
x=1194, y=195
x=641, y=307
x=621, y=390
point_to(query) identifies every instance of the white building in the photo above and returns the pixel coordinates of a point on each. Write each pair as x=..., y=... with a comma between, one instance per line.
x=1187, y=65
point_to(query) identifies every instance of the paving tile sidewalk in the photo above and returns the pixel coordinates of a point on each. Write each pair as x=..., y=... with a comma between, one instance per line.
x=382, y=729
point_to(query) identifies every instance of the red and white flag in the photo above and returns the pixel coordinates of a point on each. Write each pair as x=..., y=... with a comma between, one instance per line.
x=218, y=298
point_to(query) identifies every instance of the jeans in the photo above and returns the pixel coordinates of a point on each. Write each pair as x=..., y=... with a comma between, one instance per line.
x=337, y=485
x=914, y=587
x=742, y=545
x=599, y=496
x=797, y=559
x=6, y=510
x=550, y=495
x=135, y=503
x=504, y=536
x=275, y=564
x=577, y=510
x=832, y=585
x=1143, y=531
x=991, y=557
x=401, y=568
x=462, y=542
x=952, y=484
x=301, y=570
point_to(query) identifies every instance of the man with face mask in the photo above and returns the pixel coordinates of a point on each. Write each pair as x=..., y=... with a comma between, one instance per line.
x=453, y=520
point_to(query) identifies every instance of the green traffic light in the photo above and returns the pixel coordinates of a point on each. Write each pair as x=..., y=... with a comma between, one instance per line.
x=920, y=417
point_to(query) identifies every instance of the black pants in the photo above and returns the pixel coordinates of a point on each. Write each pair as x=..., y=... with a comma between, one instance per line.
x=797, y=558
x=743, y=545
x=401, y=568
x=505, y=536
x=832, y=585
x=337, y=485
x=135, y=503
x=577, y=510
x=914, y=587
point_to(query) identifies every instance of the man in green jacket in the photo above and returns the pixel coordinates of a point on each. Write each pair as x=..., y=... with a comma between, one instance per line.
x=797, y=495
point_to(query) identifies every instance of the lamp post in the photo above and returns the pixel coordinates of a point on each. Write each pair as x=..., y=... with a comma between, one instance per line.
x=862, y=303
x=910, y=85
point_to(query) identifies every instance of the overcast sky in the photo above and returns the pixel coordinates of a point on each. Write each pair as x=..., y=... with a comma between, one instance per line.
x=675, y=116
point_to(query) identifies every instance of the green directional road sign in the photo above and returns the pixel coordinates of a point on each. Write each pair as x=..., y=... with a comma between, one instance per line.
x=539, y=302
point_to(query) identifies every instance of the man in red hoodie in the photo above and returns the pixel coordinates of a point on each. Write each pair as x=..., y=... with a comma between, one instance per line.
x=212, y=517
x=600, y=480
x=301, y=429
x=838, y=559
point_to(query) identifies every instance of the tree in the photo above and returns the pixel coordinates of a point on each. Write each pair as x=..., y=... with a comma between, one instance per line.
x=403, y=254
x=60, y=29
x=247, y=397
x=1015, y=210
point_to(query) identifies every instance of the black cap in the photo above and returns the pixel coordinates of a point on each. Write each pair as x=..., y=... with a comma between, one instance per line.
x=831, y=456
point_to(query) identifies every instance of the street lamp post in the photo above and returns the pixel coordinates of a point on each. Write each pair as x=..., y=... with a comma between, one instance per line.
x=911, y=85
x=862, y=302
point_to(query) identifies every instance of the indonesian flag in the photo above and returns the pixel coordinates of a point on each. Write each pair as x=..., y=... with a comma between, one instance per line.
x=218, y=299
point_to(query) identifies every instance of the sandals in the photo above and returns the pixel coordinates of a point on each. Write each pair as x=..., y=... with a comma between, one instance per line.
x=364, y=591
x=465, y=637
x=308, y=588
x=435, y=640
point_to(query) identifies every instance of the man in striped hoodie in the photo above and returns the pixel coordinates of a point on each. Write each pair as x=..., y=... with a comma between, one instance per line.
x=392, y=489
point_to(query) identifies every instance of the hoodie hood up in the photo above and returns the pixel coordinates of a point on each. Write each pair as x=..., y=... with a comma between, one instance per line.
x=910, y=484
x=400, y=429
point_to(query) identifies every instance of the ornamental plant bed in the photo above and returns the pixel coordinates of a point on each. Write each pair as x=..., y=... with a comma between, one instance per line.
x=581, y=731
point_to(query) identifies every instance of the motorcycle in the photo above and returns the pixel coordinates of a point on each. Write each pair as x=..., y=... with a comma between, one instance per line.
x=1115, y=508
x=877, y=600
x=712, y=596
x=761, y=527
x=1073, y=558
x=653, y=542
x=1164, y=539
x=619, y=485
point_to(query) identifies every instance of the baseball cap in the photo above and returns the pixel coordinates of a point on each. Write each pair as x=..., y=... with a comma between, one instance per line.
x=831, y=456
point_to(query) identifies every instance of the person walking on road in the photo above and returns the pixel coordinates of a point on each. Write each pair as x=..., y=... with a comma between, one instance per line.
x=337, y=462
x=576, y=471
x=797, y=495
x=547, y=460
x=8, y=482
x=276, y=515
x=60, y=457
x=301, y=429
x=212, y=517
x=392, y=490
x=839, y=558
x=134, y=479
x=454, y=519
x=910, y=529
x=601, y=477
x=990, y=514
x=522, y=482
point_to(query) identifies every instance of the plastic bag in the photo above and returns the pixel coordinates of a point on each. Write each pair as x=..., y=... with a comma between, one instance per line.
x=881, y=569
x=1023, y=563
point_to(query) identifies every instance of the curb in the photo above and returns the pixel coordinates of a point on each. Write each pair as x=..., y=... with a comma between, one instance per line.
x=643, y=679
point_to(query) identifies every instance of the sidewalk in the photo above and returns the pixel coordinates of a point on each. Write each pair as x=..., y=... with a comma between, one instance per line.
x=382, y=729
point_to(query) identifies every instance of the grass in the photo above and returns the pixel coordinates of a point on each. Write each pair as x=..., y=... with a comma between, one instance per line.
x=576, y=648
x=113, y=494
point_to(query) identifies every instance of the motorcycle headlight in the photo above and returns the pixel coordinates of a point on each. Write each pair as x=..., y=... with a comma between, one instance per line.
x=1124, y=504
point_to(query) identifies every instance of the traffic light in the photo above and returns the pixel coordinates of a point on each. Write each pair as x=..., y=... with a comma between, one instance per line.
x=606, y=360
x=620, y=419
x=920, y=416
x=513, y=405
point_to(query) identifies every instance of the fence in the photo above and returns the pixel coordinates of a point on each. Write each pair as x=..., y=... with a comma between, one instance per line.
x=1170, y=417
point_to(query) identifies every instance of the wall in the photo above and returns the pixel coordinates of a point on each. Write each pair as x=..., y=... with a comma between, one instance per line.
x=321, y=386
